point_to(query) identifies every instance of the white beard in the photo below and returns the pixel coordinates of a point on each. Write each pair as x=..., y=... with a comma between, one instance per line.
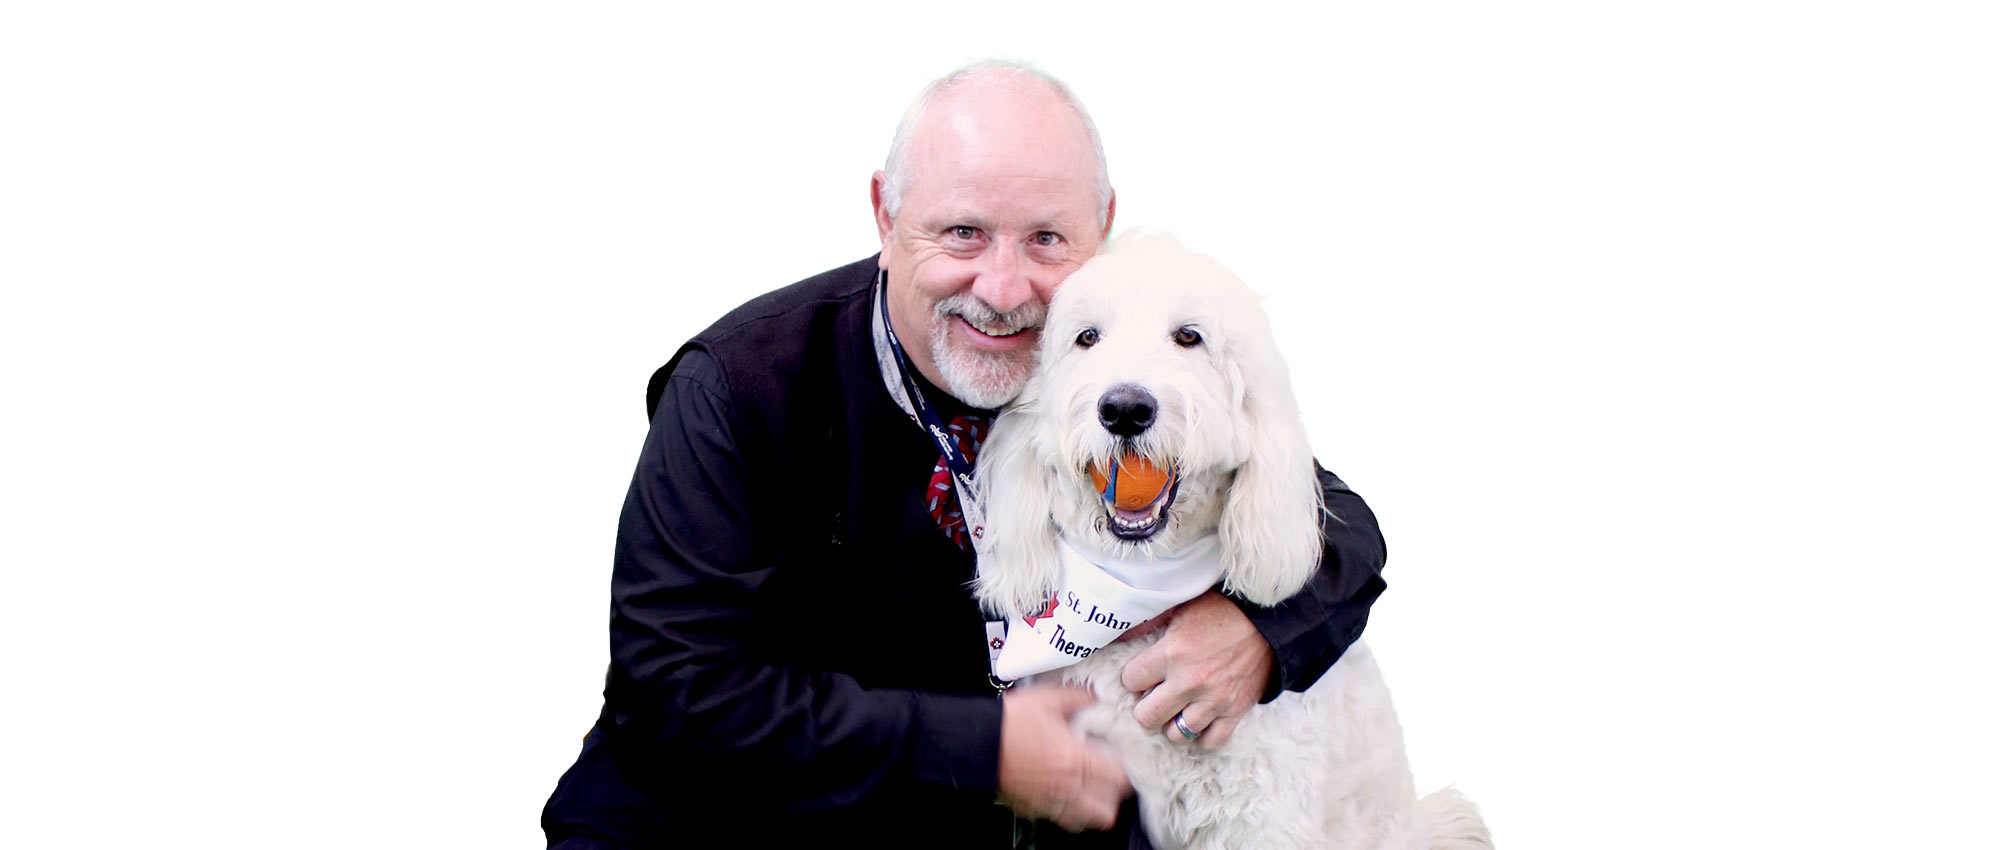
x=986, y=379
x=978, y=378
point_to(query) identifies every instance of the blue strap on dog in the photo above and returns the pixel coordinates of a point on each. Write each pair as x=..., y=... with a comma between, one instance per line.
x=1110, y=491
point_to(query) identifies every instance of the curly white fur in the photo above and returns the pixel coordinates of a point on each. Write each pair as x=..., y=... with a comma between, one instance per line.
x=1319, y=769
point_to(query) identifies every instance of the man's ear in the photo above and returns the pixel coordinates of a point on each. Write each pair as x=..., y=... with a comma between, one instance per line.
x=882, y=222
x=1110, y=212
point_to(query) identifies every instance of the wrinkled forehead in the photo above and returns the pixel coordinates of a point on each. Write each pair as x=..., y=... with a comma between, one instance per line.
x=990, y=140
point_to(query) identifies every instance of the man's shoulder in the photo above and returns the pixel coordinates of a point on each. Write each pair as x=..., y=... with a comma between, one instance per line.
x=764, y=349
x=824, y=292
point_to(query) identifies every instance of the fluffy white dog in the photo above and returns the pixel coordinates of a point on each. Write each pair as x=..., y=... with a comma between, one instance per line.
x=1153, y=351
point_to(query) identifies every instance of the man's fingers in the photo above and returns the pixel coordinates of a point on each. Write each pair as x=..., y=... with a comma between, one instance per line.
x=1217, y=732
x=1146, y=670
x=1047, y=771
x=1197, y=717
x=1160, y=706
x=1096, y=804
x=1210, y=665
x=1104, y=772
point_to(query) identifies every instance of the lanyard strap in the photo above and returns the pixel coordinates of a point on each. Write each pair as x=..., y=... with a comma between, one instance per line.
x=902, y=386
x=895, y=366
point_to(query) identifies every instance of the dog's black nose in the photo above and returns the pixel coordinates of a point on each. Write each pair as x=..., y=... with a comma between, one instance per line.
x=1126, y=410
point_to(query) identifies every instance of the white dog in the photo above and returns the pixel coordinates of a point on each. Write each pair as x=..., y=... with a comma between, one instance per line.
x=1152, y=350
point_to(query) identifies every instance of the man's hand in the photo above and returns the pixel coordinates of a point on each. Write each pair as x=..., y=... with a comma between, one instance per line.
x=1046, y=771
x=1209, y=667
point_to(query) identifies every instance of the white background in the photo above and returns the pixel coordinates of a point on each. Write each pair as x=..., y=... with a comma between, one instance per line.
x=1659, y=336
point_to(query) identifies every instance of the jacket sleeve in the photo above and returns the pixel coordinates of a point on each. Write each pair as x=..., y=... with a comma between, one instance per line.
x=691, y=678
x=1309, y=631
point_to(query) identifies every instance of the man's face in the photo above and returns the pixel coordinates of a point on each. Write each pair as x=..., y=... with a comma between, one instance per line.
x=1000, y=207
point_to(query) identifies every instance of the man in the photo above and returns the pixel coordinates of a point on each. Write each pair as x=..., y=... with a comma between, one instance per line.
x=796, y=658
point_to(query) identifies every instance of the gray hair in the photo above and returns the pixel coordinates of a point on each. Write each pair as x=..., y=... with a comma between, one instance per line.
x=896, y=172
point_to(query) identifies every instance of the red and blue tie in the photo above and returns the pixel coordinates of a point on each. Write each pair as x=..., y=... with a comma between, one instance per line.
x=968, y=432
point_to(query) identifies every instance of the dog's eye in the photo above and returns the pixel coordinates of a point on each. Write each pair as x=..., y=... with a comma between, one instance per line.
x=1086, y=338
x=1187, y=337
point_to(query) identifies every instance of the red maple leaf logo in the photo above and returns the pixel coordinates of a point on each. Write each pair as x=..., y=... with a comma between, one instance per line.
x=1031, y=618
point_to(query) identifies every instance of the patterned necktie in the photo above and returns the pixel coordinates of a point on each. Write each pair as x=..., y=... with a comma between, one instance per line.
x=968, y=432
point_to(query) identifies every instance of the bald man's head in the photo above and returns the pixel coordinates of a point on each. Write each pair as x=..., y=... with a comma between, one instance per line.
x=994, y=192
x=996, y=91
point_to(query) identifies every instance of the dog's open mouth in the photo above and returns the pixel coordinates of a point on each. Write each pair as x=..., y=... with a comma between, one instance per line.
x=1136, y=496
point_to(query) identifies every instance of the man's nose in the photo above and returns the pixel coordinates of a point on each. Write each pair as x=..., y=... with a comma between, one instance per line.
x=1003, y=280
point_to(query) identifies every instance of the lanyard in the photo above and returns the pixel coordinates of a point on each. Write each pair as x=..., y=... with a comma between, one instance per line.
x=896, y=378
x=902, y=386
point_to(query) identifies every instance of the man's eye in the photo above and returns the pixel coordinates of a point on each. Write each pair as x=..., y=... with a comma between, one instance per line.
x=966, y=232
x=1187, y=337
x=1047, y=237
x=1087, y=338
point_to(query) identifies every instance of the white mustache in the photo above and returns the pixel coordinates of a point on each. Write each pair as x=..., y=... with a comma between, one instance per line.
x=989, y=321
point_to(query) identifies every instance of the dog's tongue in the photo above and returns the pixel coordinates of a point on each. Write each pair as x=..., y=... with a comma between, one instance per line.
x=1138, y=483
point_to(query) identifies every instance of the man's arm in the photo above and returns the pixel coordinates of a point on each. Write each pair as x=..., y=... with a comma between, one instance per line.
x=1309, y=631
x=689, y=682
x=689, y=678
x=1216, y=659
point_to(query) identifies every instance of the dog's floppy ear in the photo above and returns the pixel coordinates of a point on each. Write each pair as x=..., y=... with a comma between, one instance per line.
x=1018, y=564
x=1270, y=525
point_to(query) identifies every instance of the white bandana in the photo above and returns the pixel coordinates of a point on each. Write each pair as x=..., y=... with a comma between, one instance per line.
x=1095, y=603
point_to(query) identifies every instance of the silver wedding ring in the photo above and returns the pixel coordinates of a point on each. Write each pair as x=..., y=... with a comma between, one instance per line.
x=1180, y=722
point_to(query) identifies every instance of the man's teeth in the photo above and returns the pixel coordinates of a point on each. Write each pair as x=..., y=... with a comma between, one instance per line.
x=997, y=332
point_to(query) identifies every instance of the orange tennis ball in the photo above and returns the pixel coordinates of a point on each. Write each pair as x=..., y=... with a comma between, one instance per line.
x=1140, y=483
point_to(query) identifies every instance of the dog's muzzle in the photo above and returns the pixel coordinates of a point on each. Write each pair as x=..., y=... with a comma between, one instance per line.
x=1126, y=410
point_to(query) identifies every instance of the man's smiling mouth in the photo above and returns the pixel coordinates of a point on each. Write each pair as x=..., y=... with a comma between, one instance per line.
x=997, y=332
